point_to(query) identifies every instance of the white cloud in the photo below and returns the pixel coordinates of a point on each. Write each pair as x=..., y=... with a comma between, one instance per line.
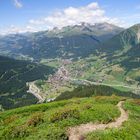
x=18, y=4
x=12, y=29
x=91, y=13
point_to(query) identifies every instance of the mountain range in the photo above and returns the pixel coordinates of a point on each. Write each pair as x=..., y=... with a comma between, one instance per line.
x=115, y=45
x=64, y=43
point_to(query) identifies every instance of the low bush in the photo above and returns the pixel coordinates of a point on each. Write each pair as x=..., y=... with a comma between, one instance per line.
x=58, y=134
x=87, y=106
x=10, y=119
x=108, y=99
x=18, y=131
x=64, y=114
x=36, y=118
x=136, y=101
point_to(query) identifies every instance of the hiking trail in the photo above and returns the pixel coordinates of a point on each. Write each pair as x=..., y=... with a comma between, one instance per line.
x=78, y=132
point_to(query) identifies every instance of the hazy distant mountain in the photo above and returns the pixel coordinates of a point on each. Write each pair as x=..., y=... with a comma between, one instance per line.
x=68, y=42
x=99, y=29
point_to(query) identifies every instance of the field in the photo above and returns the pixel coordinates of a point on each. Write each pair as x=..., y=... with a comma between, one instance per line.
x=98, y=69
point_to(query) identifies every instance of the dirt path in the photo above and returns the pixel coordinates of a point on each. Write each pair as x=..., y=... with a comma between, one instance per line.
x=78, y=132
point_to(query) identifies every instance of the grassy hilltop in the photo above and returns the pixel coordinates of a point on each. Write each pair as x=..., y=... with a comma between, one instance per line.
x=51, y=121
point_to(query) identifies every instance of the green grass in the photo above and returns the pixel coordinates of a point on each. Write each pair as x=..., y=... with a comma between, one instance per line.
x=51, y=121
x=130, y=129
x=135, y=74
x=98, y=68
x=122, y=89
x=51, y=62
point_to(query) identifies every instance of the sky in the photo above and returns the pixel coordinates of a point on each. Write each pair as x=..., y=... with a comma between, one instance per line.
x=17, y=16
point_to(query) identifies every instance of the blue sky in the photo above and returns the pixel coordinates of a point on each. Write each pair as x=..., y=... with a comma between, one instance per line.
x=35, y=15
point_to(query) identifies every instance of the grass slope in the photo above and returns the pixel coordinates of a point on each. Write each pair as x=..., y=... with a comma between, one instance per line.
x=130, y=129
x=51, y=121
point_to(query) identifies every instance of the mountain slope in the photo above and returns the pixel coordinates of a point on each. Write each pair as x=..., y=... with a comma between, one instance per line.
x=13, y=77
x=124, y=48
x=64, y=43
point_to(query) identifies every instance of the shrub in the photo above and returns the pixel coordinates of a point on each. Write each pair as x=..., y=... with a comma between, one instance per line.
x=136, y=101
x=87, y=106
x=105, y=99
x=58, y=134
x=64, y=114
x=36, y=119
x=10, y=119
x=18, y=131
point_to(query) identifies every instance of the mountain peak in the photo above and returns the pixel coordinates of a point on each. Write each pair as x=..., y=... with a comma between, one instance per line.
x=106, y=26
x=87, y=27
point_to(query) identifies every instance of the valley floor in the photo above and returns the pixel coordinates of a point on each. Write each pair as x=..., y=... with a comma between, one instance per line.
x=93, y=70
x=60, y=81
